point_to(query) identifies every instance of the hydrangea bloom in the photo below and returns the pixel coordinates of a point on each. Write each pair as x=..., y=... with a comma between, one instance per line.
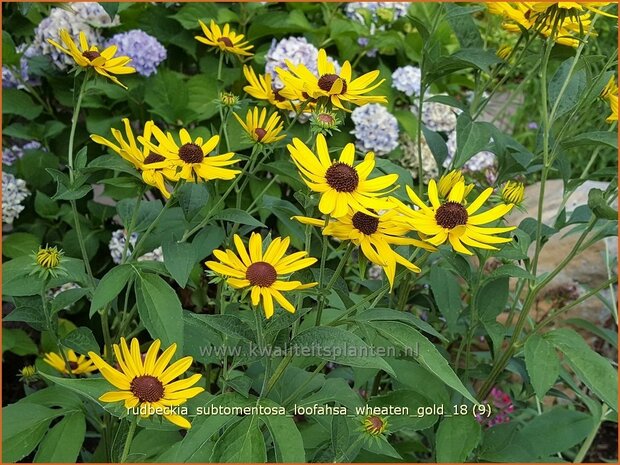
x=375, y=12
x=438, y=117
x=295, y=49
x=10, y=80
x=410, y=158
x=407, y=79
x=117, y=244
x=376, y=129
x=13, y=153
x=145, y=51
x=85, y=17
x=14, y=192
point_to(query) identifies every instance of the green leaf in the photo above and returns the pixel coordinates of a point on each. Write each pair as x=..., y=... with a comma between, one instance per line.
x=447, y=293
x=492, y=299
x=31, y=313
x=234, y=215
x=471, y=138
x=189, y=14
x=593, y=369
x=10, y=56
x=18, y=102
x=438, y=146
x=457, y=436
x=572, y=91
x=242, y=442
x=287, y=440
x=542, y=364
x=82, y=340
x=17, y=244
x=511, y=271
x=160, y=310
x=192, y=198
x=426, y=353
x=593, y=138
x=45, y=206
x=395, y=315
x=557, y=430
x=600, y=207
x=111, y=8
x=18, y=342
x=228, y=325
x=279, y=22
x=63, y=442
x=412, y=400
x=202, y=95
x=23, y=426
x=110, y=286
x=147, y=212
x=67, y=298
x=167, y=95
x=334, y=344
x=180, y=258
x=32, y=166
x=463, y=25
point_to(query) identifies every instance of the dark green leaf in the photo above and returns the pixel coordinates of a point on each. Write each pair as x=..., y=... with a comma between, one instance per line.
x=18, y=102
x=542, y=364
x=457, y=436
x=18, y=244
x=234, y=215
x=82, y=340
x=62, y=443
x=447, y=293
x=110, y=286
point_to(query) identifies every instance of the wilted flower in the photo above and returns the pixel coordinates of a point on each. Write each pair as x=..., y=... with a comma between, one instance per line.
x=407, y=79
x=145, y=51
x=376, y=129
x=11, y=154
x=14, y=192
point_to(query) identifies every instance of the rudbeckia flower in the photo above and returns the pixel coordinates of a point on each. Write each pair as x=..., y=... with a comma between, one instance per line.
x=78, y=365
x=262, y=272
x=224, y=39
x=374, y=235
x=343, y=186
x=256, y=129
x=337, y=87
x=89, y=56
x=513, y=192
x=150, y=163
x=261, y=87
x=148, y=383
x=450, y=221
x=192, y=160
x=610, y=93
x=449, y=180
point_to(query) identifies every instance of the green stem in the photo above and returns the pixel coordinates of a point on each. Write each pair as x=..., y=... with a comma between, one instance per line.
x=143, y=237
x=583, y=450
x=322, y=296
x=132, y=224
x=129, y=439
x=219, y=67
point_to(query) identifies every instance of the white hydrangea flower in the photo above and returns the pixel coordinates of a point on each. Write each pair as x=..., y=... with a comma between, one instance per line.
x=14, y=192
x=437, y=116
x=407, y=79
x=117, y=244
x=376, y=129
x=298, y=51
x=156, y=255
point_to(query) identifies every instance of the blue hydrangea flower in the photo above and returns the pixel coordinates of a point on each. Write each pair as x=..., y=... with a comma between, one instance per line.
x=298, y=51
x=9, y=78
x=376, y=129
x=407, y=79
x=13, y=153
x=375, y=12
x=145, y=51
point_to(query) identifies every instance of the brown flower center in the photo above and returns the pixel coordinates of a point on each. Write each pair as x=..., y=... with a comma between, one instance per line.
x=450, y=215
x=260, y=133
x=73, y=366
x=365, y=223
x=277, y=95
x=226, y=41
x=342, y=177
x=325, y=118
x=326, y=82
x=153, y=158
x=91, y=55
x=191, y=153
x=261, y=274
x=147, y=388
x=375, y=423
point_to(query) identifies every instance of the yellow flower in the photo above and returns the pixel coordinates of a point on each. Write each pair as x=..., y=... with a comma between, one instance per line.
x=49, y=257
x=226, y=40
x=374, y=425
x=28, y=374
x=147, y=383
x=504, y=52
x=77, y=365
x=595, y=7
x=374, y=235
x=149, y=162
x=261, y=87
x=343, y=187
x=453, y=222
x=256, y=128
x=337, y=87
x=513, y=192
x=610, y=93
x=191, y=160
x=451, y=179
x=86, y=56
x=262, y=272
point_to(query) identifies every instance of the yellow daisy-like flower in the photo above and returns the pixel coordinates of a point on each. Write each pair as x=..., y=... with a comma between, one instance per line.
x=28, y=374
x=262, y=272
x=191, y=160
x=343, y=187
x=337, y=87
x=513, y=192
x=49, y=257
x=504, y=52
x=261, y=87
x=104, y=63
x=150, y=163
x=610, y=93
x=595, y=7
x=374, y=235
x=451, y=179
x=452, y=221
x=256, y=129
x=224, y=39
x=78, y=365
x=148, y=383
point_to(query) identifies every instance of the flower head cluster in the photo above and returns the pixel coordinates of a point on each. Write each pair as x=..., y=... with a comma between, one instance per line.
x=18, y=78
x=13, y=153
x=14, y=192
x=296, y=50
x=438, y=116
x=407, y=79
x=117, y=246
x=85, y=17
x=376, y=129
x=375, y=13
x=501, y=404
x=565, y=22
x=147, y=381
x=145, y=51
